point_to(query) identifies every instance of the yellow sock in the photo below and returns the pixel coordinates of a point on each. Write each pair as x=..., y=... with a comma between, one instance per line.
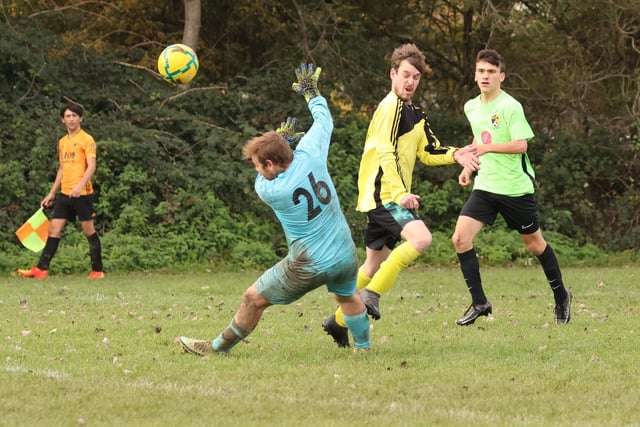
x=362, y=282
x=398, y=260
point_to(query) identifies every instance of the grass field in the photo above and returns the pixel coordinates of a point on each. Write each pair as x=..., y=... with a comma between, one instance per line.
x=104, y=353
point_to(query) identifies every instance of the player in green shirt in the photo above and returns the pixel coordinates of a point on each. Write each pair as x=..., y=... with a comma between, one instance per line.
x=504, y=185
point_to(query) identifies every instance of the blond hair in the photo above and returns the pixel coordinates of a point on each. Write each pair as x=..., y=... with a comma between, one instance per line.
x=268, y=146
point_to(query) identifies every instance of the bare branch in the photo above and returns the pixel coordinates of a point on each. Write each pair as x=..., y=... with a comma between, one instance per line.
x=32, y=83
x=196, y=89
x=115, y=103
x=78, y=7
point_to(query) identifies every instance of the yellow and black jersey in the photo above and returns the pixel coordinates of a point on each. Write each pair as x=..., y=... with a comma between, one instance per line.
x=73, y=153
x=398, y=134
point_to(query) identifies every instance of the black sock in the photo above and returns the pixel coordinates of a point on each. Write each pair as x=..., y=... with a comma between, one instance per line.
x=551, y=269
x=95, y=252
x=48, y=252
x=471, y=272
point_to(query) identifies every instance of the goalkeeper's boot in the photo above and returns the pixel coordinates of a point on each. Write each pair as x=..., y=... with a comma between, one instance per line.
x=197, y=347
x=473, y=312
x=340, y=334
x=96, y=275
x=371, y=300
x=34, y=272
x=562, y=311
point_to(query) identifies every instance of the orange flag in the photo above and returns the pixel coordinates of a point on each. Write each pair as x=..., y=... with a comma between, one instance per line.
x=33, y=233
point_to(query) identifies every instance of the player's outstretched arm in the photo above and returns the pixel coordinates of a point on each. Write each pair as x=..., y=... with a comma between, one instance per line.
x=307, y=81
x=467, y=158
x=288, y=130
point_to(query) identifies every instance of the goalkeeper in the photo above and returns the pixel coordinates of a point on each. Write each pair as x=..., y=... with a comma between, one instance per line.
x=298, y=187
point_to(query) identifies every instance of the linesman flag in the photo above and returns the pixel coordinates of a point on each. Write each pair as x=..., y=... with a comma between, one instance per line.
x=33, y=233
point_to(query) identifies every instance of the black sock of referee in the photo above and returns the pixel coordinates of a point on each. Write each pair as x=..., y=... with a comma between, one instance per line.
x=48, y=252
x=471, y=272
x=551, y=269
x=95, y=252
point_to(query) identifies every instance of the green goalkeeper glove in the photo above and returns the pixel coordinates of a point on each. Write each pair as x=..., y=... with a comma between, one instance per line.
x=307, y=83
x=288, y=131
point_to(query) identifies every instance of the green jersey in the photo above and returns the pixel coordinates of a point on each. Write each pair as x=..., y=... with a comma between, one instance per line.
x=497, y=122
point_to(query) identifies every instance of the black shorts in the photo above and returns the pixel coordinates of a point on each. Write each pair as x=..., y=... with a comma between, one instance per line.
x=71, y=207
x=519, y=212
x=385, y=224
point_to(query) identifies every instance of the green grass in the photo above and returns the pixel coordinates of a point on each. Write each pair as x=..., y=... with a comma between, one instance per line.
x=103, y=353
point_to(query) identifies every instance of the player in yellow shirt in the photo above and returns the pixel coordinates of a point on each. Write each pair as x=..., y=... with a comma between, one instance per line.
x=77, y=157
x=398, y=135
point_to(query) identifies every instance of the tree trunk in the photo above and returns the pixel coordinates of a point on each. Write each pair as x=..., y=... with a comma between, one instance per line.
x=192, y=23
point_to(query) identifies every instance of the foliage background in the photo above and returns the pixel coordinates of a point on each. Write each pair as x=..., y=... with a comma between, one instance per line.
x=171, y=187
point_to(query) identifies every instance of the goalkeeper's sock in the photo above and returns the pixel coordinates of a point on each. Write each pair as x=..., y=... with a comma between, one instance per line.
x=398, y=260
x=231, y=336
x=359, y=327
x=362, y=282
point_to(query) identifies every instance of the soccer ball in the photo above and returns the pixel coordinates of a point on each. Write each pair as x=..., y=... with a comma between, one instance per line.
x=178, y=63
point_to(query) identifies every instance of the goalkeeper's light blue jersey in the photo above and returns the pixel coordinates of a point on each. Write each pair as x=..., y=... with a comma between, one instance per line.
x=305, y=200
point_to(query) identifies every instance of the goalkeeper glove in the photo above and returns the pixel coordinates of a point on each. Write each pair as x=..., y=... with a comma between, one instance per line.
x=307, y=83
x=288, y=130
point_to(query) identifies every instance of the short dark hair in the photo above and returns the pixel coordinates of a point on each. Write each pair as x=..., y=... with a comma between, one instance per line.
x=492, y=57
x=76, y=108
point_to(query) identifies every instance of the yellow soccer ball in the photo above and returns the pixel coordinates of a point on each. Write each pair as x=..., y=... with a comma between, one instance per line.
x=178, y=63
